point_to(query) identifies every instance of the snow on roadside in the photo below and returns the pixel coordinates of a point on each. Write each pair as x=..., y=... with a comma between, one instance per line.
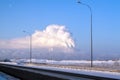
x=81, y=71
x=71, y=62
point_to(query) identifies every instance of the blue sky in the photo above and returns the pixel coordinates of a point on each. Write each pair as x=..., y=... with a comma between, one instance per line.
x=31, y=15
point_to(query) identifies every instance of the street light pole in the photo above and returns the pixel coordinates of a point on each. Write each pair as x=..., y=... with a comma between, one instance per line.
x=91, y=34
x=30, y=45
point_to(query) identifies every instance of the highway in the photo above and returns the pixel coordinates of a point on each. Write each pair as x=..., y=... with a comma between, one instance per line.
x=32, y=73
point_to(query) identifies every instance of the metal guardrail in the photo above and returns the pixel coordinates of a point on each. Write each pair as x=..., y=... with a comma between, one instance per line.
x=30, y=73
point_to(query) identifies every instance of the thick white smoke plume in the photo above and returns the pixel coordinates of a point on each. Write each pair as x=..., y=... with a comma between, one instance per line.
x=54, y=36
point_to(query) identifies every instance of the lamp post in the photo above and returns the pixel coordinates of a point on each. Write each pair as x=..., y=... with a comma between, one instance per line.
x=30, y=45
x=91, y=35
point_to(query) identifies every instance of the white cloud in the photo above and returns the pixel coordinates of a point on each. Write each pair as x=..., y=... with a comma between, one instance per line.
x=54, y=36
